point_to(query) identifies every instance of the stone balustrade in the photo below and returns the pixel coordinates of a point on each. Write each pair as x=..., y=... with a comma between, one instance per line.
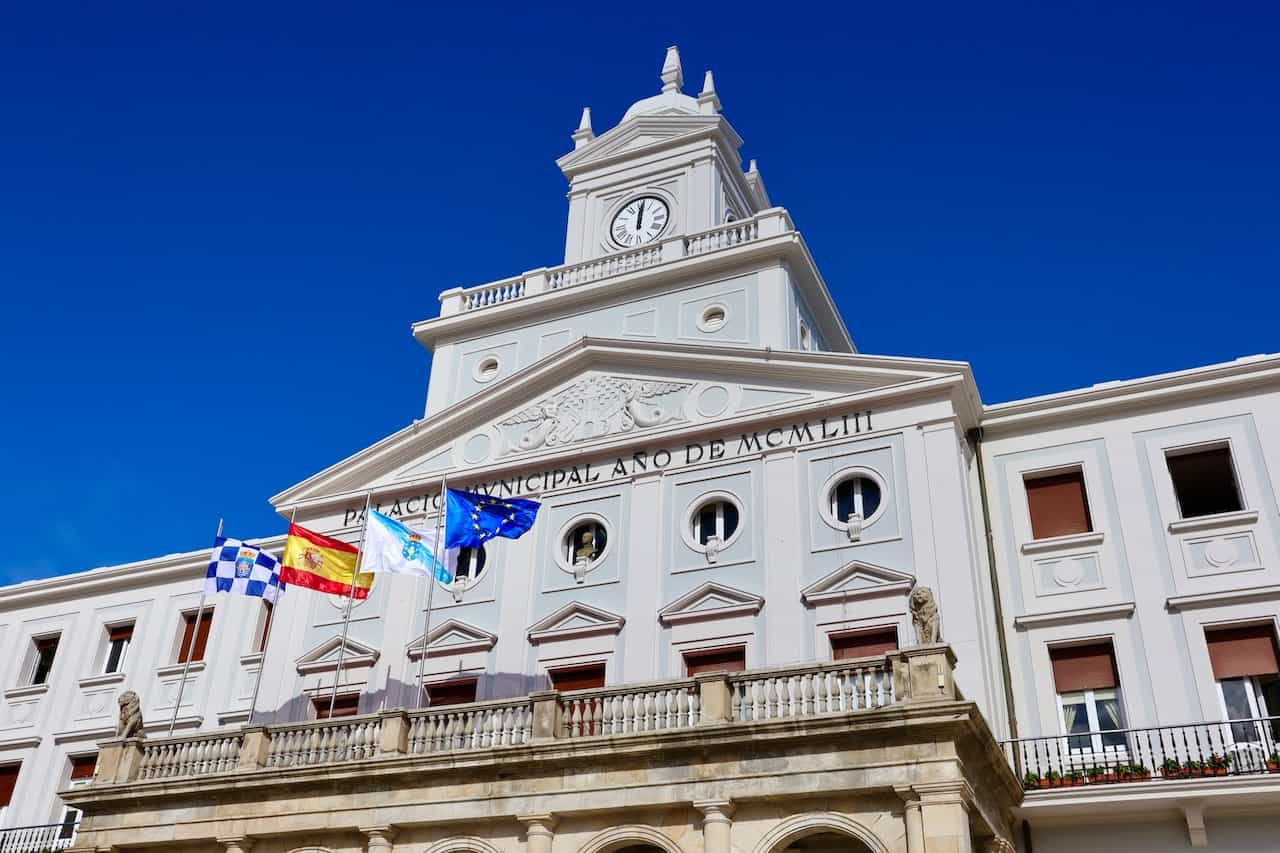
x=812, y=690
x=767, y=223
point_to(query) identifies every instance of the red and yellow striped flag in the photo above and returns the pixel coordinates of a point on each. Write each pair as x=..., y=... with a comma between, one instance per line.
x=321, y=563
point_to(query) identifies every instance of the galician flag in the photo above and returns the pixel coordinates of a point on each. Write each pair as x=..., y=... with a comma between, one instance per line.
x=395, y=548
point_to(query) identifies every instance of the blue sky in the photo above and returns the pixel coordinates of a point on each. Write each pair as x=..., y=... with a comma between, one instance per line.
x=217, y=221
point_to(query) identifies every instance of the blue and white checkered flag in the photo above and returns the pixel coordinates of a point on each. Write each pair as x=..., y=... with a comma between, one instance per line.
x=243, y=570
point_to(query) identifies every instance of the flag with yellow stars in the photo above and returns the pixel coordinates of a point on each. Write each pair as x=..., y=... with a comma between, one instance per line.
x=471, y=520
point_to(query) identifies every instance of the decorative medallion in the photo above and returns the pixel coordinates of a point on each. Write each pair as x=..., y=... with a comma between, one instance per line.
x=594, y=407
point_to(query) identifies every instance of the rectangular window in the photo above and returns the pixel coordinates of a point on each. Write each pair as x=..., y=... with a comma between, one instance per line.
x=82, y=769
x=268, y=611
x=199, y=634
x=578, y=677
x=457, y=692
x=8, y=781
x=1204, y=482
x=1058, y=505
x=864, y=644
x=118, y=639
x=1246, y=665
x=45, y=650
x=1088, y=687
x=347, y=705
x=715, y=660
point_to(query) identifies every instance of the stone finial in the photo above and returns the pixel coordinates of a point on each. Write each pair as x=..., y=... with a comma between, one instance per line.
x=708, y=100
x=584, y=133
x=753, y=168
x=672, y=74
x=924, y=616
x=129, y=723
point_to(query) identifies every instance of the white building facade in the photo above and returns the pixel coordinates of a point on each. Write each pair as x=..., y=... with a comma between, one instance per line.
x=736, y=509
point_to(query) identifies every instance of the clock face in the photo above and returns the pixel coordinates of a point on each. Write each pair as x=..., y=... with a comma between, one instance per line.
x=640, y=221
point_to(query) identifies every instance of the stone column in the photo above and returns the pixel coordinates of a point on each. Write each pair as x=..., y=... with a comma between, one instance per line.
x=913, y=818
x=380, y=838
x=539, y=830
x=944, y=815
x=236, y=843
x=717, y=825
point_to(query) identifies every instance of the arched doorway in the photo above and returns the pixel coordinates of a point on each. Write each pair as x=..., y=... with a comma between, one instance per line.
x=826, y=842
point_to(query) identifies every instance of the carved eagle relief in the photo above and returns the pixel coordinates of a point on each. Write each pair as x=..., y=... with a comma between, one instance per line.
x=594, y=407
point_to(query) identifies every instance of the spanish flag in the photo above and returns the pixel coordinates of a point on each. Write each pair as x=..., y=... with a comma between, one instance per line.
x=321, y=563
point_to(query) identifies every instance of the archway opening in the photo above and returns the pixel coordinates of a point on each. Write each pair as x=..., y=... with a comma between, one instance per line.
x=639, y=848
x=826, y=842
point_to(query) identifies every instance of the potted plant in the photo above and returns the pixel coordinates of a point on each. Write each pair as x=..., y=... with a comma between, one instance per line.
x=1122, y=772
x=1218, y=764
x=1052, y=779
x=1193, y=769
x=1273, y=763
x=1171, y=769
x=1098, y=774
x=1139, y=773
x=1031, y=781
x=1075, y=777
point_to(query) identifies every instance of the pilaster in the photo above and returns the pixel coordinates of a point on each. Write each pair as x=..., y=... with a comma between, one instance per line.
x=539, y=830
x=379, y=838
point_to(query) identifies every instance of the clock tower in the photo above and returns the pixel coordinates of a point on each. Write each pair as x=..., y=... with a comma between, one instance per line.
x=670, y=167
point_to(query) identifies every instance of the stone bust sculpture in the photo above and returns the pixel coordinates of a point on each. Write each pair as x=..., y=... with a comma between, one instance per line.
x=924, y=615
x=586, y=550
x=130, y=723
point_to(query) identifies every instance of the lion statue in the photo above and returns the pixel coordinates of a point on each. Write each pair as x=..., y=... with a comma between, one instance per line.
x=924, y=615
x=130, y=724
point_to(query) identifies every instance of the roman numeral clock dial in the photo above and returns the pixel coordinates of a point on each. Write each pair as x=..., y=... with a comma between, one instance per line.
x=640, y=221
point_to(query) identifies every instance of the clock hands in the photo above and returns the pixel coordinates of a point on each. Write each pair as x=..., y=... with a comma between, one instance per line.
x=640, y=217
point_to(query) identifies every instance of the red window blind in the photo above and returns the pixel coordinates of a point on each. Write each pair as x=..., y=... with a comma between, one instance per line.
x=578, y=677
x=1089, y=667
x=82, y=766
x=122, y=632
x=864, y=644
x=347, y=705
x=1242, y=652
x=8, y=780
x=715, y=660
x=452, y=692
x=201, y=635
x=1058, y=505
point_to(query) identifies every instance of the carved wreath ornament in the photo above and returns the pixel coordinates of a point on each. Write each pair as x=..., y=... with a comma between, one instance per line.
x=593, y=407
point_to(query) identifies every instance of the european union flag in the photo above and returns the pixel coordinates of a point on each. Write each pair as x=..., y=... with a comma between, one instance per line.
x=471, y=520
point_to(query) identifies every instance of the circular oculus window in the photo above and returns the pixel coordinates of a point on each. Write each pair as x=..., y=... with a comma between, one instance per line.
x=583, y=544
x=716, y=514
x=713, y=318
x=486, y=368
x=469, y=568
x=853, y=490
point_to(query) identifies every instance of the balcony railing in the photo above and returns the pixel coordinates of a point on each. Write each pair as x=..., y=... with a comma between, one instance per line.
x=767, y=223
x=812, y=690
x=36, y=839
x=1192, y=751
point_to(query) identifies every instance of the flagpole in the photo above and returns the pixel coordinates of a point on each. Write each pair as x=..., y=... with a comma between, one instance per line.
x=346, y=620
x=266, y=641
x=195, y=637
x=426, y=621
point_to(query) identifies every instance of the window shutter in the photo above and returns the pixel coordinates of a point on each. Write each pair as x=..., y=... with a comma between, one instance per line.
x=578, y=677
x=8, y=780
x=123, y=632
x=346, y=705
x=202, y=634
x=82, y=766
x=864, y=644
x=452, y=692
x=1242, y=652
x=1058, y=505
x=731, y=660
x=1083, y=667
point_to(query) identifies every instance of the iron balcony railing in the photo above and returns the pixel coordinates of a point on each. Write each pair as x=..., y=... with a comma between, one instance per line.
x=1191, y=751
x=37, y=839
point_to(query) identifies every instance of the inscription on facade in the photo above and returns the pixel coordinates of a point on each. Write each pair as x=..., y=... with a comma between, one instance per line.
x=639, y=462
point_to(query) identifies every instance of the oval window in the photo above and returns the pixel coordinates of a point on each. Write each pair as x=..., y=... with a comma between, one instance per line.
x=584, y=543
x=486, y=368
x=716, y=518
x=713, y=318
x=854, y=495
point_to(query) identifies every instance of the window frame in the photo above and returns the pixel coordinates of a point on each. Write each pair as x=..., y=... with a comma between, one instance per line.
x=197, y=616
x=33, y=667
x=340, y=705
x=1223, y=444
x=111, y=628
x=1077, y=469
x=564, y=547
x=692, y=519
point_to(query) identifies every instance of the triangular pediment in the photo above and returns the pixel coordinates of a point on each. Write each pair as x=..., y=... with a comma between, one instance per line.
x=645, y=131
x=606, y=393
x=324, y=657
x=575, y=619
x=711, y=600
x=857, y=580
x=453, y=637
